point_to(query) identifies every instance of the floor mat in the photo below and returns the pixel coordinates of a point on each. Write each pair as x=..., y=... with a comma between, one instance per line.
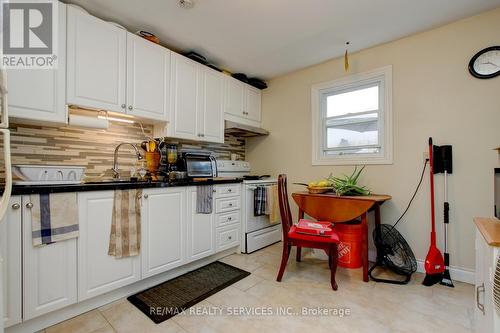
x=165, y=300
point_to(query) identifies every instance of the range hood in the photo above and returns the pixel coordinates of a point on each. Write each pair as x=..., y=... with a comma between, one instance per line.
x=244, y=131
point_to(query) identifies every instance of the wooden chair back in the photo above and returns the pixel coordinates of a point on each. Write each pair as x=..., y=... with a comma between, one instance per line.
x=286, y=214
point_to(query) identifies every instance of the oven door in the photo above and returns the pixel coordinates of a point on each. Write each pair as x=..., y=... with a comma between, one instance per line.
x=253, y=222
x=200, y=166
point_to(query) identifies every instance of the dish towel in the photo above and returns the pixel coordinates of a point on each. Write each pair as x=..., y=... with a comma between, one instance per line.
x=54, y=217
x=272, y=205
x=125, y=236
x=260, y=200
x=204, y=199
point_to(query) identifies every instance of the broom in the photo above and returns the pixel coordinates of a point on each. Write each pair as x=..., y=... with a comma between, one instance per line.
x=434, y=262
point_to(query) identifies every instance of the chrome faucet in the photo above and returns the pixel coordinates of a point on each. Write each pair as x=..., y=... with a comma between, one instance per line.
x=116, y=173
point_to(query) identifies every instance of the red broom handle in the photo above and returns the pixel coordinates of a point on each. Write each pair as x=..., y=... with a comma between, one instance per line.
x=433, y=218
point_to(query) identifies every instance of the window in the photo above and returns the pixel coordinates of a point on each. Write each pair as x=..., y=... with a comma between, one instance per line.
x=352, y=119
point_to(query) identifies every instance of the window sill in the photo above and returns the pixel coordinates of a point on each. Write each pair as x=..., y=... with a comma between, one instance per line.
x=352, y=161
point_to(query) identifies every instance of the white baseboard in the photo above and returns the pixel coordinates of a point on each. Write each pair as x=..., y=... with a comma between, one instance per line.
x=457, y=273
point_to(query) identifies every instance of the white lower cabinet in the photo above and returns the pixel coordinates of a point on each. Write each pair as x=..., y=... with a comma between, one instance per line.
x=99, y=272
x=49, y=272
x=10, y=252
x=163, y=230
x=200, y=229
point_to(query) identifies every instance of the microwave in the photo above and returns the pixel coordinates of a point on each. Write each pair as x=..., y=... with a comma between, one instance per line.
x=199, y=164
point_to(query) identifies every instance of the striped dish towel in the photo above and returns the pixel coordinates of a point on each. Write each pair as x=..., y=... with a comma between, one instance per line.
x=204, y=199
x=54, y=217
x=125, y=236
x=272, y=205
x=260, y=201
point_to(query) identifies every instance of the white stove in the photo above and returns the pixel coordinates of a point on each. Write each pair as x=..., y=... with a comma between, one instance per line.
x=257, y=231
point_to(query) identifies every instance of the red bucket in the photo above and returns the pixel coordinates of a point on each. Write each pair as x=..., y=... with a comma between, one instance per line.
x=350, y=246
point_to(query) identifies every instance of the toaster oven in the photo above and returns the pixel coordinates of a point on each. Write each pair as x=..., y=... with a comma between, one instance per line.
x=199, y=164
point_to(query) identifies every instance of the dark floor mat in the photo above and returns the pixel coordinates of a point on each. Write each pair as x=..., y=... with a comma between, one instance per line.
x=165, y=300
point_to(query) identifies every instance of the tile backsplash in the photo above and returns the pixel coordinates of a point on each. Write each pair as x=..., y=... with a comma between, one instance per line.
x=93, y=148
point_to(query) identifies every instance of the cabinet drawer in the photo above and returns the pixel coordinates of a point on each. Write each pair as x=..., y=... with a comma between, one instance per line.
x=229, y=190
x=228, y=218
x=227, y=205
x=227, y=237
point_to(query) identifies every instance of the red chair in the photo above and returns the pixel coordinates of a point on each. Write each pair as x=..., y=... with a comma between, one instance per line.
x=292, y=238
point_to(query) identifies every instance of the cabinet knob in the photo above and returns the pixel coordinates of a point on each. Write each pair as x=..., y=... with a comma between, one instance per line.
x=29, y=205
x=229, y=218
x=123, y=106
x=203, y=135
x=130, y=107
x=230, y=205
x=146, y=196
x=229, y=190
x=16, y=206
x=230, y=237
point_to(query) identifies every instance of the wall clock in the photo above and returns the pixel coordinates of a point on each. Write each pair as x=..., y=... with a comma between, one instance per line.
x=486, y=63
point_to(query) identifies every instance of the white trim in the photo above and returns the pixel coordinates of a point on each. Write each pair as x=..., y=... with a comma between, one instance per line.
x=317, y=90
x=457, y=273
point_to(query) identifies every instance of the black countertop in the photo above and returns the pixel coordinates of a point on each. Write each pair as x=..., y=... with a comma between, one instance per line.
x=113, y=185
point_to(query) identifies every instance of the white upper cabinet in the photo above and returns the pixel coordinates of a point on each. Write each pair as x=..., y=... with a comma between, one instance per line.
x=235, y=97
x=96, y=67
x=197, y=101
x=148, y=78
x=163, y=230
x=211, y=116
x=49, y=272
x=99, y=272
x=253, y=103
x=10, y=251
x=184, y=98
x=40, y=94
x=242, y=102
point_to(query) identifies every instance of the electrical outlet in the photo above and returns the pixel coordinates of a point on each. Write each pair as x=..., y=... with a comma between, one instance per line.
x=425, y=156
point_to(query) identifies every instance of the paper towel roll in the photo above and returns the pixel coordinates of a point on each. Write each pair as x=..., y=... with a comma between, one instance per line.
x=90, y=122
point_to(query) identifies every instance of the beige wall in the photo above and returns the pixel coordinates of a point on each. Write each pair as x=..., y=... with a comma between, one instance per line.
x=433, y=95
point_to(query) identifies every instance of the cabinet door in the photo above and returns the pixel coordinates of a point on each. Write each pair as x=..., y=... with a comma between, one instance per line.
x=96, y=62
x=184, y=98
x=235, y=97
x=36, y=94
x=212, y=113
x=49, y=272
x=163, y=230
x=10, y=254
x=99, y=272
x=200, y=230
x=253, y=103
x=148, y=78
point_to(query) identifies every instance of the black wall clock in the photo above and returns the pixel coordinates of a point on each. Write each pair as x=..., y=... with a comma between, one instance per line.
x=486, y=63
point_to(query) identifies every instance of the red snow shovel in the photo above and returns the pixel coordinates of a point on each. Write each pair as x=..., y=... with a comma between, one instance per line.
x=434, y=262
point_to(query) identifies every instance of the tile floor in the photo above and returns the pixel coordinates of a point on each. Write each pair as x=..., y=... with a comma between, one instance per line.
x=374, y=307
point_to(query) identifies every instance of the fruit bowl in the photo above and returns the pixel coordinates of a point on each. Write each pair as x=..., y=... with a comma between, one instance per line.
x=319, y=189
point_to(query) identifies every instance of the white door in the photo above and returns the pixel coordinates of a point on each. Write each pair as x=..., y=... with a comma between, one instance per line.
x=253, y=103
x=163, y=230
x=99, y=272
x=49, y=272
x=235, y=97
x=211, y=120
x=96, y=62
x=148, y=78
x=184, y=98
x=200, y=230
x=10, y=251
x=39, y=94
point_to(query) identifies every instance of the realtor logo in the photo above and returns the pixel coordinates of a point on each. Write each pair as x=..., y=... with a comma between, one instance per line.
x=29, y=34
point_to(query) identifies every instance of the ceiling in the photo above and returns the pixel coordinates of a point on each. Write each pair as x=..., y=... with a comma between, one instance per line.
x=267, y=38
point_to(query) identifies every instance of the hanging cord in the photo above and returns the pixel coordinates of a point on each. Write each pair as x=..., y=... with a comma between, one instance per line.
x=144, y=133
x=411, y=200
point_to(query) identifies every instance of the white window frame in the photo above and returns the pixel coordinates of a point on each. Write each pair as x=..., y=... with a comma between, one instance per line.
x=381, y=77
